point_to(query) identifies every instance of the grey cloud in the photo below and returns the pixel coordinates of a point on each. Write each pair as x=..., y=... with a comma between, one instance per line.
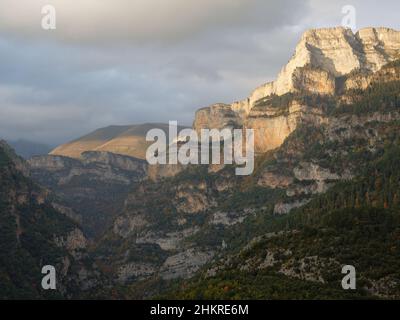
x=103, y=21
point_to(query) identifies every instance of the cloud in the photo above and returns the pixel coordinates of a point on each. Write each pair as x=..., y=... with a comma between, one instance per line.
x=101, y=21
x=369, y=13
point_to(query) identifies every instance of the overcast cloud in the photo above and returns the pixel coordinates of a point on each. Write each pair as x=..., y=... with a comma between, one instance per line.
x=134, y=61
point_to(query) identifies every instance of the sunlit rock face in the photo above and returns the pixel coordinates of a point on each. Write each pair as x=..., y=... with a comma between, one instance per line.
x=217, y=116
x=326, y=62
x=271, y=127
x=337, y=51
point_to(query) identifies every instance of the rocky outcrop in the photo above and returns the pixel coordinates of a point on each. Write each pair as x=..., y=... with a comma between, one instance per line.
x=68, y=212
x=103, y=166
x=126, y=225
x=169, y=242
x=274, y=180
x=192, y=199
x=184, y=264
x=337, y=51
x=311, y=171
x=314, y=80
x=159, y=171
x=217, y=116
x=285, y=208
x=74, y=242
x=135, y=271
x=226, y=219
x=356, y=80
x=273, y=125
x=360, y=80
x=192, y=202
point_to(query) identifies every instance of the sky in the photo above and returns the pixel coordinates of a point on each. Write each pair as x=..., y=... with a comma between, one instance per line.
x=117, y=62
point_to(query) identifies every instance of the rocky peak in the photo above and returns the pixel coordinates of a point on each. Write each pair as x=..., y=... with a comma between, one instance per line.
x=327, y=62
x=337, y=51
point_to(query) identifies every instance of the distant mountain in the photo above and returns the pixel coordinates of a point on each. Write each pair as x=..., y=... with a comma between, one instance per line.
x=127, y=140
x=27, y=149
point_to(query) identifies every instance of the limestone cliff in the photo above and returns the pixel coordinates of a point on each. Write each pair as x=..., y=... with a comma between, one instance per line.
x=217, y=116
x=326, y=62
x=272, y=126
x=337, y=51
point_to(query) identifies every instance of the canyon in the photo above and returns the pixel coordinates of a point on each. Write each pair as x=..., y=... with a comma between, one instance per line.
x=327, y=145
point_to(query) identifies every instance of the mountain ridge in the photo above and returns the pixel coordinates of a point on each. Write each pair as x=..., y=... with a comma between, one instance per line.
x=326, y=62
x=368, y=49
x=126, y=140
